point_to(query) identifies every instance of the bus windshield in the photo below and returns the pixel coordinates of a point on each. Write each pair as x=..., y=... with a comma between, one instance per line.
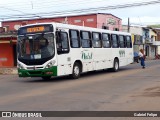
x=37, y=46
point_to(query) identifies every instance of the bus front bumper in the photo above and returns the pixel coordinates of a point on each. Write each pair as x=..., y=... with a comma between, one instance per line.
x=38, y=73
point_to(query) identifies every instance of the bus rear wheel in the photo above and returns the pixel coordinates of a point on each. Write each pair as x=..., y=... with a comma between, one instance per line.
x=76, y=71
x=115, y=65
x=46, y=77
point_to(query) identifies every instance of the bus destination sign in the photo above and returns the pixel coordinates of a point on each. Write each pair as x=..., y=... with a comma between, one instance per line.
x=36, y=29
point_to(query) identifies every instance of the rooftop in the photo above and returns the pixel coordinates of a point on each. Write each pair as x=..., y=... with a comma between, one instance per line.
x=63, y=16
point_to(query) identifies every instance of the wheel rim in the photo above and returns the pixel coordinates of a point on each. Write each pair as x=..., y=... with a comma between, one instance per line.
x=116, y=65
x=76, y=70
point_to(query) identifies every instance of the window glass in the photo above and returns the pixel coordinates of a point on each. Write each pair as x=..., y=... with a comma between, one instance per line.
x=96, y=40
x=36, y=46
x=106, y=40
x=74, y=38
x=121, y=41
x=128, y=42
x=74, y=34
x=64, y=39
x=114, y=41
x=96, y=36
x=85, y=39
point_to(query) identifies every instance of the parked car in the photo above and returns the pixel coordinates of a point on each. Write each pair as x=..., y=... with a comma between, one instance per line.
x=136, y=57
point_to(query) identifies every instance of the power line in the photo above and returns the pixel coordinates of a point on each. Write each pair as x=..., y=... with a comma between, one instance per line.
x=151, y=2
x=53, y=13
x=48, y=4
x=55, y=3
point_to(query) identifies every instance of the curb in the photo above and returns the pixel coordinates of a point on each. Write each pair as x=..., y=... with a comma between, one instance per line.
x=8, y=71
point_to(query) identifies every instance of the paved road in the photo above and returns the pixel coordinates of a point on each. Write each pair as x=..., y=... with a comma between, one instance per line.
x=132, y=88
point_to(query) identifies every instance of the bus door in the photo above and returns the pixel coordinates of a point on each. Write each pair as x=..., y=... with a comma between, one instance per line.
x=63, y=57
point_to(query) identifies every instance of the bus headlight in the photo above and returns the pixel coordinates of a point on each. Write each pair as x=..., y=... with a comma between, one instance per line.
x=50, y=64
x=19, y=66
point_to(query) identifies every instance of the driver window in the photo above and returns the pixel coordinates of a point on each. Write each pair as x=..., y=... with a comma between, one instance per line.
x=62, y=42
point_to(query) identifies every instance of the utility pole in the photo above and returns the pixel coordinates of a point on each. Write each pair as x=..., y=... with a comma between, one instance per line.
x=128, y=26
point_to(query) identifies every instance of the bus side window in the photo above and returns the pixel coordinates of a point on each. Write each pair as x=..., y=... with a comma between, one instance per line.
x=122, y=43
x=62, y=42
x=74, y=38
x=115, y=43
x=106, y=40
x=96, y=40
x=128, y=42
x=85, y=39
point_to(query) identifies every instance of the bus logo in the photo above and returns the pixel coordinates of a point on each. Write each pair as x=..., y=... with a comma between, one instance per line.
x=122, y=53
x=86, y=55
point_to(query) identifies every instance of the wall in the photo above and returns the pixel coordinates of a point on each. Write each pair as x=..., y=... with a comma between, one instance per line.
x=109, y=20
x=90, y=20
x=152, y=51
x=86, y=20
x=152, y=33
x=136, y=30
x=158, y=39
x=6, y=55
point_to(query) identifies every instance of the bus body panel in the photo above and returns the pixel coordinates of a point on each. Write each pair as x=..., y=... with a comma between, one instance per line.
x=102, y=58
x=90, y=58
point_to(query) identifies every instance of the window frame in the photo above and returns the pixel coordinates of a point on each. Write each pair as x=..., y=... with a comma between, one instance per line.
x=60, y=49
x=71, y=39
x=124, y=41
x=130, y=46
x=109, y=36
x=117, y=39
x=89, y=40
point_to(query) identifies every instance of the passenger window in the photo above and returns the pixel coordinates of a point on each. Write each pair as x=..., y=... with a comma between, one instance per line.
x=96, y=40
x=106, y=40
x=121, y=41
x=86, y=39
x=74, y=38
x=115, y=43
x=128, y=42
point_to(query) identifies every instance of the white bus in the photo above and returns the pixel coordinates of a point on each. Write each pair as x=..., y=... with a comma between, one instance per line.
x=55, y=49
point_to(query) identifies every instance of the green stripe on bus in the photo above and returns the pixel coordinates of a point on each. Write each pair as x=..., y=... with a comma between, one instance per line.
x=38, y=73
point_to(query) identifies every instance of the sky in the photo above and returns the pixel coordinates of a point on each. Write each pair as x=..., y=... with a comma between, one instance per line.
x=20, y=9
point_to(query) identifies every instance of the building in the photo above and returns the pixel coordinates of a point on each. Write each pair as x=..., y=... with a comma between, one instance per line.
x=8, y=44
x=8, y=54
x=157, y=30
x=144, y=38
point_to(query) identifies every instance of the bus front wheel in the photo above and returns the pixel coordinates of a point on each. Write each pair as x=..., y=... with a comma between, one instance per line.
x=116, y=65
x=76, y=71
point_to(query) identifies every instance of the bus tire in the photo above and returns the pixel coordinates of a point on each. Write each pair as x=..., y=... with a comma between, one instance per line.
x=115, y=65
x=76, y=71
x=46, y=77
